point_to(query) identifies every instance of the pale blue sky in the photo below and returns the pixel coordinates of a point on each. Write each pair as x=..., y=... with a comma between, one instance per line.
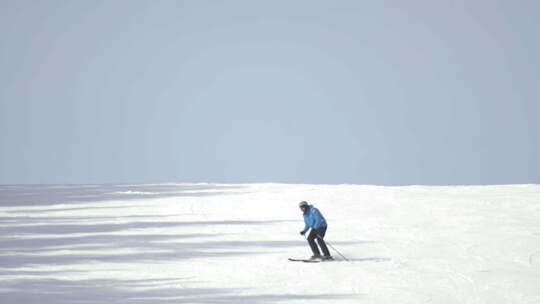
x=365, y=92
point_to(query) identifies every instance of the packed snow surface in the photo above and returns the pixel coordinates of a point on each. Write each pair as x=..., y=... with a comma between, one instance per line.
x=229, y=243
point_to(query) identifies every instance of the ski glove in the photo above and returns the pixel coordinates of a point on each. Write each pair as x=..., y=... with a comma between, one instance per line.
x=302, y=232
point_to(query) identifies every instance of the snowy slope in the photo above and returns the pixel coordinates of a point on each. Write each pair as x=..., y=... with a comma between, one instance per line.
x=215, y=243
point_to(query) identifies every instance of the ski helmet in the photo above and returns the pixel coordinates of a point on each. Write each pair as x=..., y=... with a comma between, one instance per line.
x=303, y=204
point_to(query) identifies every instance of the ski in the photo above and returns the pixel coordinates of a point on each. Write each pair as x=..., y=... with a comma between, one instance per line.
x=304, y=260
x=311, y=261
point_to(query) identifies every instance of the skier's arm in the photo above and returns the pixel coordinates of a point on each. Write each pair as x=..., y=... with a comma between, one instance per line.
x=306, y=226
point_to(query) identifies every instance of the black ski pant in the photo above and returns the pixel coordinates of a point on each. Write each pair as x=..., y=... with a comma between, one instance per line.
x=318, y=234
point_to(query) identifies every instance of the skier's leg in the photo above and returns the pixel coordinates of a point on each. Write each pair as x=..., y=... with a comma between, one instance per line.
x=311, y=240
x=320, y=235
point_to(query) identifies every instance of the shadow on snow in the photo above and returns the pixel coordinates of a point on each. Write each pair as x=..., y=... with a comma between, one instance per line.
x=43, y=195
x=26, y=246
x=138, y=291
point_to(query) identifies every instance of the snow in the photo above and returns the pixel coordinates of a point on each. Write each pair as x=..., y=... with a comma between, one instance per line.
x=219, y=243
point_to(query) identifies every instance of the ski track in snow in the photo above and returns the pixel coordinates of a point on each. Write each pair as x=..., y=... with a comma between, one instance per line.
x=229, y=243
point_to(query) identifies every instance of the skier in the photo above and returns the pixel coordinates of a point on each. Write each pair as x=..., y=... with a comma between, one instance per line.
x=314, y=220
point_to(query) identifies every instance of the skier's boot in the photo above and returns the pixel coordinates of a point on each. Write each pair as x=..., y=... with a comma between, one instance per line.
x=327, y=258
x=315, y=257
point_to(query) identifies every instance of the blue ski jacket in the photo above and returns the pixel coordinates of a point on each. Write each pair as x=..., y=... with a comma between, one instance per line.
x=313, y=219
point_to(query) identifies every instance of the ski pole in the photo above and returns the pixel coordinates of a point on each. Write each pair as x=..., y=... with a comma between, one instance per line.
x=327, y=243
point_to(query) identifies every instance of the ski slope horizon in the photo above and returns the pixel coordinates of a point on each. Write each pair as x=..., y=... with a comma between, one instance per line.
x=269, y=182
x=229, y=243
